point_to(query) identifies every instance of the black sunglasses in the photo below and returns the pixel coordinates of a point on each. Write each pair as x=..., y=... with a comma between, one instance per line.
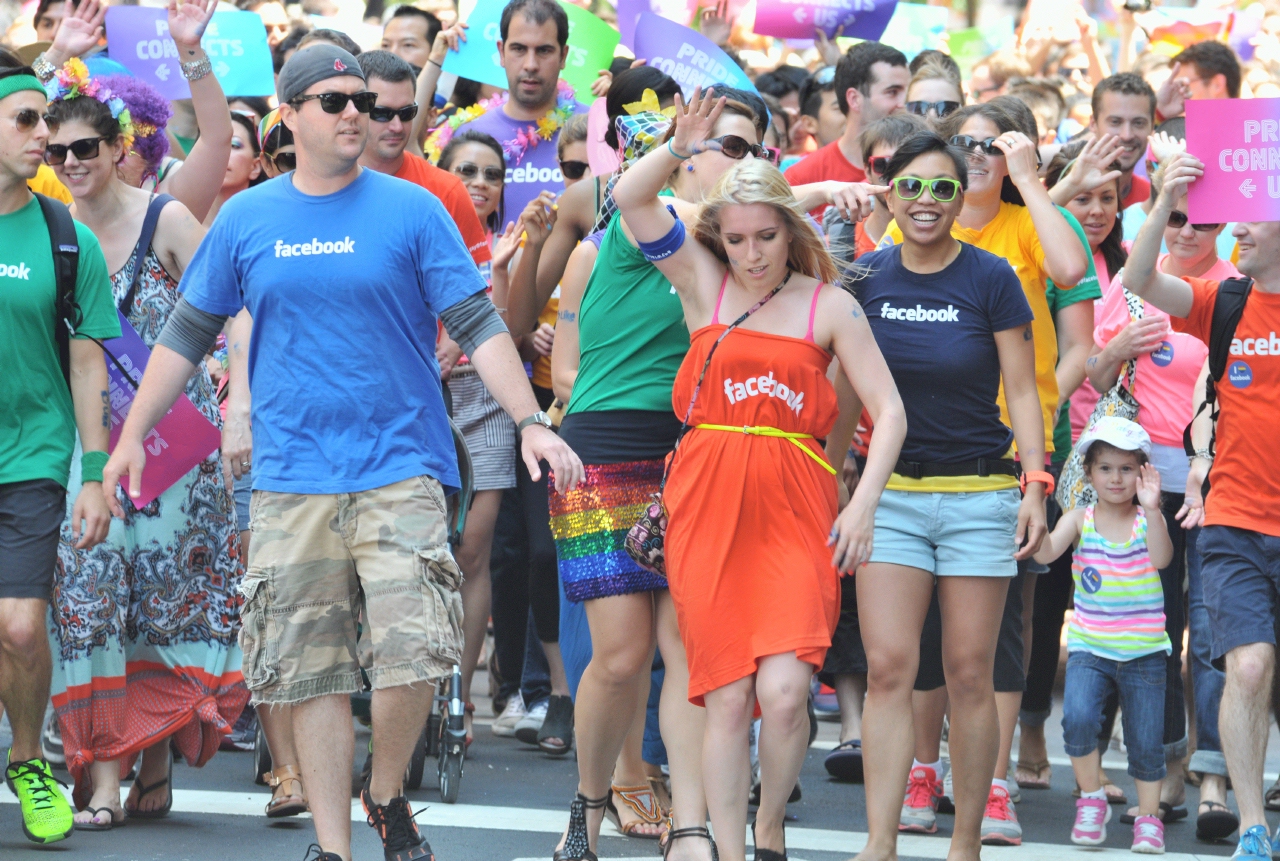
x=737, y=148
x=85, y=149
x=336, y=103
x=967, y=143
x=573, y=169
x=492, y=175
x=284, y=161
x=942, y=189
x=381, y=114
x=941, y=109
x=1178, y=220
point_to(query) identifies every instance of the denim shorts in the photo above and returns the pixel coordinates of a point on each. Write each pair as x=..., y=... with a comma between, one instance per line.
x=949, y=534
x=242, y=493
x=1140, y=684
x=1240, y=570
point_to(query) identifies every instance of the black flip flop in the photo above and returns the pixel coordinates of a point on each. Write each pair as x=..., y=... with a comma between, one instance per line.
x=1216, y=823
x=1168, y=813
x=844, y=762
x=102, y=826
x=144, y=791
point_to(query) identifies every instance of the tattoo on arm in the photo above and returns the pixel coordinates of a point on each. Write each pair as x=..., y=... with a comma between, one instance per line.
x=567, y=316
x=1092, y=362
x=1026, y=334
x=106, y=411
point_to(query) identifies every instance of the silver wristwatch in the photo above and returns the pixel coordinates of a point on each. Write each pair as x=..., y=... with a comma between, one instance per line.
x=538, y=418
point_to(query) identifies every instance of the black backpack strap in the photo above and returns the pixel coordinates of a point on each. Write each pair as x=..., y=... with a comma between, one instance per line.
x=1228, y=306
x=144, y=244
x=66, y=266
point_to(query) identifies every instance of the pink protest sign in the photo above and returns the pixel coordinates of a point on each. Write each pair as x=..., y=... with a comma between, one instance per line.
x=1239, y=142
x=602, y=157
x=182, y=439
x=797, y=19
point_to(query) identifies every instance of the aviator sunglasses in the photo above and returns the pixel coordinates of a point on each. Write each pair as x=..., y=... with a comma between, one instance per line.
x=943, y=189
x=1178, y=220
x=85, y=149
x=737, y=148
x=573, y=169
x=382, y=114
x=492, y=175
x=336, y=103
x=940, y=109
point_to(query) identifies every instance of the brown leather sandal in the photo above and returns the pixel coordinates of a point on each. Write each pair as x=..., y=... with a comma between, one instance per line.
x=643, y=802
x=287, y=796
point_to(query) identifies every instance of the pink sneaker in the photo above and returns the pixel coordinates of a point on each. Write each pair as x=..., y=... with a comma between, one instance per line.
x=920, y=804
x=1148, y=835
x=1092, y=816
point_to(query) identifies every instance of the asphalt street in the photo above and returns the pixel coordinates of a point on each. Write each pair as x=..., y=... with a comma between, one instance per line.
x=514, y=803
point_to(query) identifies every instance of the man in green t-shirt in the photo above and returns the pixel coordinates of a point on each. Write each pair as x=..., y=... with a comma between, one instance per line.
x=38, y=424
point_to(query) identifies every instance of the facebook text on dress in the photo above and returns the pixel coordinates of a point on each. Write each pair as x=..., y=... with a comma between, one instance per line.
x=767, y=386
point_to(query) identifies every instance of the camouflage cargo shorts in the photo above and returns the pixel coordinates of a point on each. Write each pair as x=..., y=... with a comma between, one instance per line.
x=341, y=582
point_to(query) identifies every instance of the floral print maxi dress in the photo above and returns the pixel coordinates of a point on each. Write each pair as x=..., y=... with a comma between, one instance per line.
x=143, y=627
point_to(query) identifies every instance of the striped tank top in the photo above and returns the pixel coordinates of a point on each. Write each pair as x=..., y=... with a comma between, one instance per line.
x=1119, y=602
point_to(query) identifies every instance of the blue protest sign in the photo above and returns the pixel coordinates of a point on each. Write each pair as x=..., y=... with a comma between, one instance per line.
x=690, y=58
x=478, y=58
x=236, y=42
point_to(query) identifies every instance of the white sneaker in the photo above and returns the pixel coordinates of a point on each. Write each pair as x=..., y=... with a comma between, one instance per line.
x=505, y=725
x=526, y=728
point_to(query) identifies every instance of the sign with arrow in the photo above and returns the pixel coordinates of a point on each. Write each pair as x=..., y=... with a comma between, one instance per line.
x=797, y=19
x=1239, y=142
x=236, y=42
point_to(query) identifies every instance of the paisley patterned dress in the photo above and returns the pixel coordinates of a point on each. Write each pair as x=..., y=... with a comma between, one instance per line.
x=143, y=627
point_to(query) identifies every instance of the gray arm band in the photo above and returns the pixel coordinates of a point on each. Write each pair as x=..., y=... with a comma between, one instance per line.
x=472, y=321
x=191, y=332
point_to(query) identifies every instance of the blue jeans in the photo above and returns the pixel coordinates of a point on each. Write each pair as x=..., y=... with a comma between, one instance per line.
x=1206, y=681
x=1140, y=684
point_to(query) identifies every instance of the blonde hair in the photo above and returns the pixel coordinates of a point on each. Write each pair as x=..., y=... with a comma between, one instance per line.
x=932, y=70
x=754, y=180
x=574, y=131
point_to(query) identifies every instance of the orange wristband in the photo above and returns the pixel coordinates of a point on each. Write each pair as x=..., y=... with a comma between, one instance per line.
x=1035, y=476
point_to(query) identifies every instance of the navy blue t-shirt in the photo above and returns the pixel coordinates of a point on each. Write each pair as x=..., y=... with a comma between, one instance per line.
x=937, y=333
x=345, y=290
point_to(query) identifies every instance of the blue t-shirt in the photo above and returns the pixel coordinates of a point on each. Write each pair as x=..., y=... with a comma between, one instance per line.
x=937, y=334
x=345, y=290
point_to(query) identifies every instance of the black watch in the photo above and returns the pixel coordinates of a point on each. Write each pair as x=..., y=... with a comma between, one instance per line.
x=538, y=418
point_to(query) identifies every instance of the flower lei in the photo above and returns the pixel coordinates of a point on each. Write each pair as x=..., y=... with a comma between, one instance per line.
x=73, y=81
x=515, y=149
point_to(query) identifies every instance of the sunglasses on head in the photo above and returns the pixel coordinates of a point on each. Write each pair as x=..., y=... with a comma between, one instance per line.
x=967, y=143
x=573, y=169
x=738, y=148
x=492, y=175
x=284, y=161
x=381, y=114
x=336, y=103
x=85, y=149
x=1178, y=220
x=943, y=189
x=940, y=109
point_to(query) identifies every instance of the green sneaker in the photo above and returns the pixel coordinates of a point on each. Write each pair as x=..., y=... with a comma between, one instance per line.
x=46, y=815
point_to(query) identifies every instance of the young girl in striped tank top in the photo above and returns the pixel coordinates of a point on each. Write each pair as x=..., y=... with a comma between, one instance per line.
x=1116, y=640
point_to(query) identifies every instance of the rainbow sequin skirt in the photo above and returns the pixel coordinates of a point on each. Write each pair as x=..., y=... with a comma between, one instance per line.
x=590, y=522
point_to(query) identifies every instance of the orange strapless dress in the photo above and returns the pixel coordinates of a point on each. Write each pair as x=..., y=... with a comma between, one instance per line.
x=749, y=515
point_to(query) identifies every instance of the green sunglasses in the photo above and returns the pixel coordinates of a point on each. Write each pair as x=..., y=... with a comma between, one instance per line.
x=943, y=189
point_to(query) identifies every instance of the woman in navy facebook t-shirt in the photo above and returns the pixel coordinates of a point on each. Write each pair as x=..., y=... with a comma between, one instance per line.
x=952, y=321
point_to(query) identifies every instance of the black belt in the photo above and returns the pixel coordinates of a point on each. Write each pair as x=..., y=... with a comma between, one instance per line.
x=982, y=467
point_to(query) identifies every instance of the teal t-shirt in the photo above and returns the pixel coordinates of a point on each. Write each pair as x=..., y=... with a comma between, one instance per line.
x=1086, y=291
x=37, y=421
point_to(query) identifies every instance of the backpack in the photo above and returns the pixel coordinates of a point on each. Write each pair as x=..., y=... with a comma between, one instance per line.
x=1228, y=307
x=66, y=265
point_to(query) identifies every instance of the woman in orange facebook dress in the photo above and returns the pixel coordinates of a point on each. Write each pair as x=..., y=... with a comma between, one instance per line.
x=751, y=499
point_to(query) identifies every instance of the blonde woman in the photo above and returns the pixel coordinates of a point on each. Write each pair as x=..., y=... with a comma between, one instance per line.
x=755, y=587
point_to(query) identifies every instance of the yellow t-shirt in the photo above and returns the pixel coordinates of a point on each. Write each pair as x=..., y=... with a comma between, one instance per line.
x=46, y=182
x=542, y=365
x=1012, y=235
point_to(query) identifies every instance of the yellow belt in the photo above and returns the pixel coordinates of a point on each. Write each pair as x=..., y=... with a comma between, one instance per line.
x=776, y=432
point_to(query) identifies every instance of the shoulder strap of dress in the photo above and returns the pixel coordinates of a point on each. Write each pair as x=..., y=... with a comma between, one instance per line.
x=715, y=316
x=149, y=222
x=813, y=309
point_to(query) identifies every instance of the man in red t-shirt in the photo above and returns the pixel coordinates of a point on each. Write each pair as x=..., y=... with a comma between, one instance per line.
x=1240, y=541
x=1124, y=105
x=871, y=82
x=389, y=124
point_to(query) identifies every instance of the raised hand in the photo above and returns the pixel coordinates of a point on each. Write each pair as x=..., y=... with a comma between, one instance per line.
x=1092, y=168
x=506, y=245
x=1148, y=487
x=1164, y=145
x=1179, y=172
x=695, y=122
x=1019, y=157
x=446, y=41
x=188, y=20
x=1173, y=93
x=827, y=48
x=716, y=26
x=539, y=217
x=854, y=200
x=79, y=32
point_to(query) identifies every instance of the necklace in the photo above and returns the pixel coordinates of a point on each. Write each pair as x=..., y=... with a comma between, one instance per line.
x=515, y=149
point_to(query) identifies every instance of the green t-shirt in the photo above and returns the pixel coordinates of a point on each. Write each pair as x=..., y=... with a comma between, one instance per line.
x=1086, y=291
x=37, y=422
x=631, y=332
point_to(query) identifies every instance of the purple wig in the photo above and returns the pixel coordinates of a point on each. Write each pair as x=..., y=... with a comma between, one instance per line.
x=147, y=108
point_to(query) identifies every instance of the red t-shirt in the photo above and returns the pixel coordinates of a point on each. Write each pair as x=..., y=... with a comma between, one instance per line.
x=453, y=194
x=1138, y=192
x=1246, y=471
x=824, y=164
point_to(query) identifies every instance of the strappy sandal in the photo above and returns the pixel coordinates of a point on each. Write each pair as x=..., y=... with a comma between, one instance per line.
x=102, y=826
x=677, y=833
x=642, y=801
x=770, y=854
x=1042, y=772
x=145, y=790
x=287, y=795
x=577, y=845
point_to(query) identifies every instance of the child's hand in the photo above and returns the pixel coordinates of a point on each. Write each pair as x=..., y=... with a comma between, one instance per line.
x=1148, y=487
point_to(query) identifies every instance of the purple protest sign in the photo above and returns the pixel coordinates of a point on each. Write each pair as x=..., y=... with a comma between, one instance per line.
x=690, y=58
x=797, y=19
x=181, y=439
x=629, y=11
x=1239, y=142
